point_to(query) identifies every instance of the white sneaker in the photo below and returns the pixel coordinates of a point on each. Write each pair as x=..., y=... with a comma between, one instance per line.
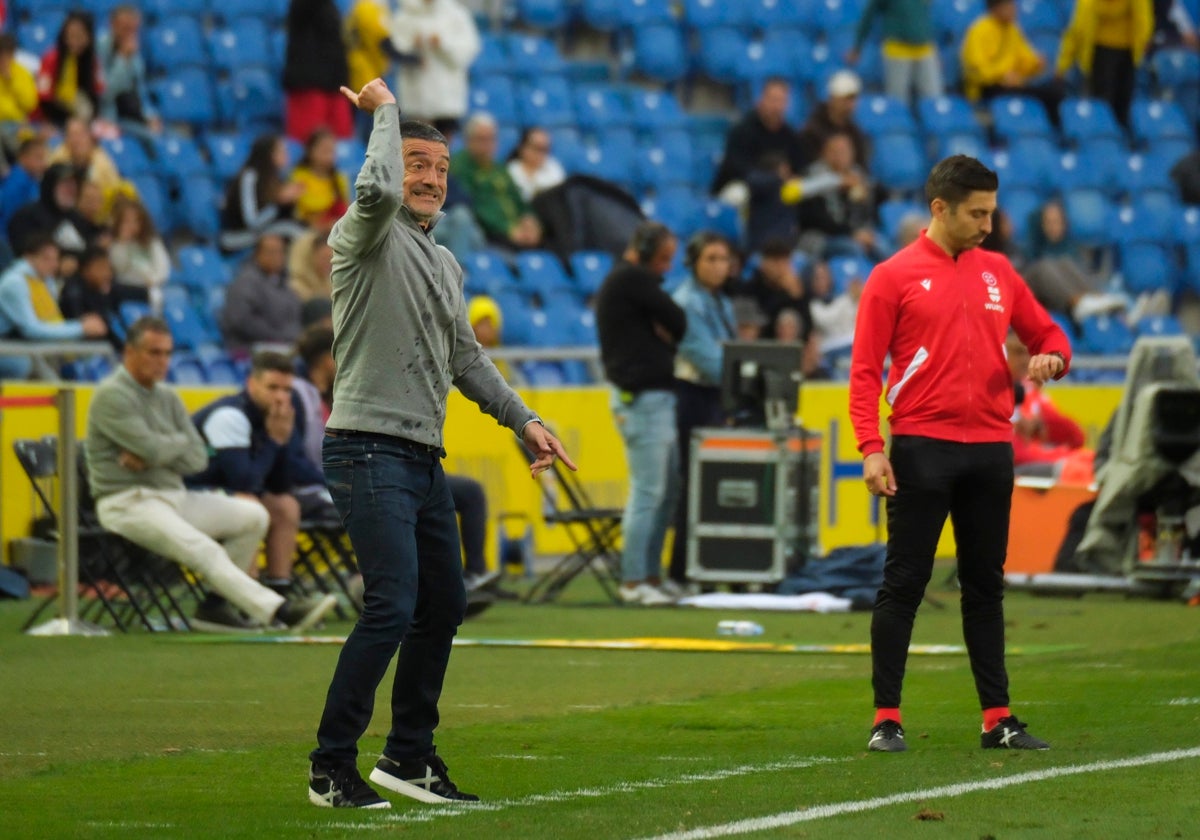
x=645, y=595
x=1098, y=304
x=673, y=589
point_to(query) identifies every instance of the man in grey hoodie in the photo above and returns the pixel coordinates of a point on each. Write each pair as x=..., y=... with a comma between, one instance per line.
x=401, y=339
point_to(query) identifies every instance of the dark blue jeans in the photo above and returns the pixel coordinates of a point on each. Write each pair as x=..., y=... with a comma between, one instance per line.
x=396, y=507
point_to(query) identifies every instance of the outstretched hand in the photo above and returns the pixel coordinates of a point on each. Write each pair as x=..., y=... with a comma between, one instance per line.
x=545, y=447
x=373, y=94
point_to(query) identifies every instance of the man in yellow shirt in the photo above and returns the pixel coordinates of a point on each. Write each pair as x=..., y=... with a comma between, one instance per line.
x=998, y=61
x=1108, y=39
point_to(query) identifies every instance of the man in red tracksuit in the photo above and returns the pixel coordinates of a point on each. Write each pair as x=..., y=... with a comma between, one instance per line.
x=942, y=308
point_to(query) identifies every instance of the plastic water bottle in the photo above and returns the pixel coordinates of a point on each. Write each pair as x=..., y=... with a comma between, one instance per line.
x=739, y=628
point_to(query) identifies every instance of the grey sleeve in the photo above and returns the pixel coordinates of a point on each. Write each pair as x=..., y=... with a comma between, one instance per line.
x=119, y=419
x=193, y=458
x=379, y=188
x=477, y=378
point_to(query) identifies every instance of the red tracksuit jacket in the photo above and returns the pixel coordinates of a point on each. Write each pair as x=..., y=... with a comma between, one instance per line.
x=944, y=321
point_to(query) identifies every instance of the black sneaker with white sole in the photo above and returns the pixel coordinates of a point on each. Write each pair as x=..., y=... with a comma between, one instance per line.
x=342, y=787
x=1010, y=734
x=887, y=736
x=424, y=779
x=300, y=614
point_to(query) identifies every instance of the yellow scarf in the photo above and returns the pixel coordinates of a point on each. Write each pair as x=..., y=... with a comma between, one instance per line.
x=44, y=304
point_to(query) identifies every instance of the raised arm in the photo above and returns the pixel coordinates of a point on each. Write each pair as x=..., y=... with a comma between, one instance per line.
x=379, y=186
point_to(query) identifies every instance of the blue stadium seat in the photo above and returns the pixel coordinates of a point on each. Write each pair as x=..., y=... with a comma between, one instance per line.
x=705, y=14
x=604, y=15
x=1030, y=163
x=878, y=114
x=598, y=106
x=949, y=114
x=1170, y=150
x=566, y=144
x=1089, y=213
x=1187, y=226
x=186, y=97
x=664, y=161
x=245, y=43
x=673, y=206
x=493, y=58
x=251, y=98
x=175, y=42
x=637, y=13
x=201, y=267
x=1139, y=173
x=845, y=269
x=349, y=156
x=187, y=327
x=1158, y=214
x=652, y=111
x=1017, y=116
x=952, y=18
x=541, y=272
x=893, y=212
x=951, y=61
x=516, y=328
x=37, y=35
x=973, y=145
x=898, y=163
x=1106, y=336
x=153, y=196
x=1151, y=120
x=155, y=10
x=610, y=156
x=659, y=52
x=834, y=16
x=268, y=11
x=227, y=151
x=1146, y=267
x=587, y=71
x=590, y=268
x=186, y=370
x=545, y=102
x=717, y=216
x=1042, y=16
x=222, y=372
x=1176, y=69
x=178, y=156
x=767, y=15
x=487, y=273
x=130, y=311
x=1087, y=119
x=1093, y=166
x=720, y=54
x=543, y=14
x=128, y=156
x=1159, y=325
x=533, y=56
x=496, y=95
x=792, y=49
x=1023, y=208
x=195, y=209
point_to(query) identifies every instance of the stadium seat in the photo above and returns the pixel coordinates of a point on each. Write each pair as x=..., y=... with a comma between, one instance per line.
x=590, y=268
x=716, y=216
x=949, y=114
x=222, y=372
x=545, y=102
x=893, y=212
x=128, y=156
x=349, y=156
x=599, y=106
x=493, y=58
x=1023, y=208
x=187, y=327
x=1087, y=119
x=177, y=157
x=533, y=57
x=610, y=156
x=705, y=14
x=845, y=269
x=156, y=10
x=195, y=209
x=1146, y=267
x=1031, y=163
x=974, y=145
x=516, y=328
x=1017, y=116
x=767, y=15
x=1151, y=120
x=38, y=35
x=1042, y=16
x=487, y=273
x=659, y=52
x=1138, y=173
x=244, y=43
x=1170, y=150
x=250, y=99
x=665, y=161
x=228, y=11
x=878, y=114
x=186, y=370
x=543, y=14
x=1187, y=227
x=496, y=95
x=566, y=144
x=1176, y=70
x=1159, y=325
x=227, y=152
x=952, y=18
x=898, y=163
x=153, y=196
x=201, y=267
x=185, y=97
x=638, y=13
x=175, y=42
x=1106, y=336
x=720, y=54
x=652, y=111
x=835, y=16
x=541, y=272
x=673, y=206
x=1089, y=213
x=1094, y=166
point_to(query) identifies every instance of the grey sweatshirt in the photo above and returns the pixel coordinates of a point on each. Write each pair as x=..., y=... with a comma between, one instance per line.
x=150, y=423
x=401, y=334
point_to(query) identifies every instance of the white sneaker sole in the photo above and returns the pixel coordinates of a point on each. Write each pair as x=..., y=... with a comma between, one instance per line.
x=387, y=780
x=322, y=802
x=315, y=614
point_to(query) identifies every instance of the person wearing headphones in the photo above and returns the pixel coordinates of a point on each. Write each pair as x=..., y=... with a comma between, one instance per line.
x=640, y=328
x=710, y=321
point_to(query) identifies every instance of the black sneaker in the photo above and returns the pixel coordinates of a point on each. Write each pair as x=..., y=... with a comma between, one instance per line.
x=216, y=615
x=299, y=614
x=887, y=736
x=342, y=787
x=1010, y=734
x=425, y=779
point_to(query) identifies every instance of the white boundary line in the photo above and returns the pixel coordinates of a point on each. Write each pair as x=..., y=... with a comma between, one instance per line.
x=820, y=812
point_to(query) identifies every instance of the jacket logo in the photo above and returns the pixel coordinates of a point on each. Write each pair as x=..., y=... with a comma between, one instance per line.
x=989, y=278
x=927, y=283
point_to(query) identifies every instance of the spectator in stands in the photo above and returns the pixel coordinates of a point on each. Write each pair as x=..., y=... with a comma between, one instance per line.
x=18, y=90
x=441, y=35
x=531, y=165
x=759, y=140
x=487, y=322
x=1055, y=271
x=775, y=284
x=505, y=217
x=1173, y=25
x=1107, y=42
x=125, y=99
x=310, y=261
x=94, y=290
x=909, y=228
x=138, y=254
x=28, y=308
x=315, y=351
x=1186, y=175
x=91, y=163
x=640, y=328
x=997, y=60
x=54, y=213
x=1003, y=239
x=1041, y=433
x=369, y=49
x=260, y=306
x=140, y=444
x=833, y=313
x=69, y=81
x=256, y=450
x=836, y=116
x=910, y=57
x=325, y=192
x=23, y=184
x=314, y=70
x=710, y=322
x=839, y=221
x=90, y=206
x=259, y=200
x=749, y=318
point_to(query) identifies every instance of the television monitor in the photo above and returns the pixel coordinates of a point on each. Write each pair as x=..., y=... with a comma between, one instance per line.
x=760, y=383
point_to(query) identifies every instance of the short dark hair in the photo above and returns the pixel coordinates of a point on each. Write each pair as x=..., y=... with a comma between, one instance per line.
x=314, y=342
x=8, y=43
x=271, y=360
x=956, y=177
x=35, y=241
x=143, y=325
x=417, y=130
x=775, y=247
x=91, y=254
x=647, y=238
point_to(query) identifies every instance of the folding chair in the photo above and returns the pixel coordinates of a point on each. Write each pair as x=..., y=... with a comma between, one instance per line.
x=123, y=581
x=593, y=532
x=325, y=563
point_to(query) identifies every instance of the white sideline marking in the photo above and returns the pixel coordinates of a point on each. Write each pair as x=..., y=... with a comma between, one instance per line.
x=820, y=812
x=1184, y=701
x=434, y=812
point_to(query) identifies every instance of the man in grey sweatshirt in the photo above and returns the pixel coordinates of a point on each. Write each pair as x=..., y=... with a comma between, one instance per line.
x=401, y=339
x=140, y=443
